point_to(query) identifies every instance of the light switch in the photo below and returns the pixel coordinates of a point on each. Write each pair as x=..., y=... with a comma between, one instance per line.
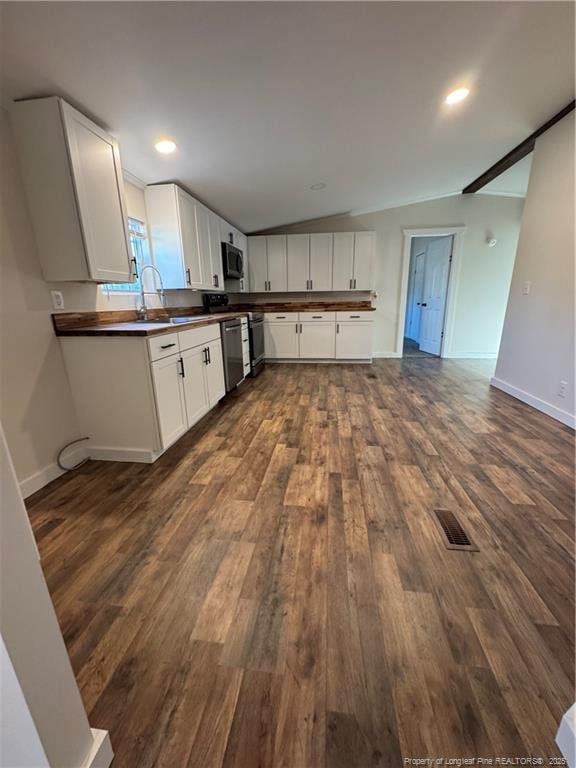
x=526, y=287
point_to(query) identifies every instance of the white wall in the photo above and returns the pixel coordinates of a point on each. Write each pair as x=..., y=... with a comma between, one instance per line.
x=484, y=275
x=537, y=350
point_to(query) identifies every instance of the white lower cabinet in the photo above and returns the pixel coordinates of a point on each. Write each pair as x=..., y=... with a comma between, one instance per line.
x=194, y=384
x=281, y=340
x=214, y=373
x=170, y=403
x=318, y=340
x=353, y=340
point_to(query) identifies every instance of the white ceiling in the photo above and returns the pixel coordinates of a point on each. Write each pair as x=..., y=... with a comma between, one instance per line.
x=266, y=99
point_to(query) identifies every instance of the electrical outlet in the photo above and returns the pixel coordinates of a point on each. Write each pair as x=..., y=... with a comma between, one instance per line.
x=563, y=389
x=526, y=287
x=57, y=299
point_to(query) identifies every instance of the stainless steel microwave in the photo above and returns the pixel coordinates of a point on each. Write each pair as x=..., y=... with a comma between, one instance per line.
x=233, y=261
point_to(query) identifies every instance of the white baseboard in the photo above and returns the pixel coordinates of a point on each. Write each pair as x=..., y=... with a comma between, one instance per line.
x=101, y=754
x=139, y=455
x=43, y=476
x=471, y=355
x=387, y=354
x=566, y=736
x=540, y=405
x=323, y=361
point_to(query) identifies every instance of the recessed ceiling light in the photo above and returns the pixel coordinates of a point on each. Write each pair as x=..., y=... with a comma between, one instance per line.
x=316, y=187
x=165, y=147
x=458, y=95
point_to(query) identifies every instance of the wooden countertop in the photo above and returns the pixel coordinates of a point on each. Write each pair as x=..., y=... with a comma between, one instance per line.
x=124, y=322
x=140, y=328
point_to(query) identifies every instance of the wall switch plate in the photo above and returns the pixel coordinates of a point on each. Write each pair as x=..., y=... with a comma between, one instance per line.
x=563, y=389
x=57, y=299
x=526, y=287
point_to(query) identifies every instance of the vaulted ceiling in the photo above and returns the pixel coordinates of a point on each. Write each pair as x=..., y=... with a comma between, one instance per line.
x=265, y=100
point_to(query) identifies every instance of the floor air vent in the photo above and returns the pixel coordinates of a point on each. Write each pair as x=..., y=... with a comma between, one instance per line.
x=455, y=537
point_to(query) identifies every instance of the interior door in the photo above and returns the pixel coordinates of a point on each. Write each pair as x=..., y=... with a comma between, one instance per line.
x=169, y=393
x=413, y=325
x=195, y=391
x=214, y=371
x=257, y=264
x=321, y=261
x=277, y=265
x=190, y=245
x=343, y=269
x=298, y=262
x=433, y=305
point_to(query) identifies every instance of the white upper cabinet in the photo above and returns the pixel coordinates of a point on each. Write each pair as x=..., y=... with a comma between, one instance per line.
x=217, y=270
x=173, y=234
x=277, y=264
x=257, y=264
x=203, y=228
x=343, y=271
x=353, y=261
x=298, y=248
x=73, y=179
x=321, y=246
x=364, y=249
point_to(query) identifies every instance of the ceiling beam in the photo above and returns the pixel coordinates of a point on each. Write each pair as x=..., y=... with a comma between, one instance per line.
x=516, y=154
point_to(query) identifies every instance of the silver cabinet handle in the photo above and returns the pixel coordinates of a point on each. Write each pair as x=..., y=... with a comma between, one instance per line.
x=188, y=279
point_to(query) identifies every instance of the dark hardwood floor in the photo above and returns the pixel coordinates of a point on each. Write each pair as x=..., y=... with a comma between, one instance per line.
x=274, y=591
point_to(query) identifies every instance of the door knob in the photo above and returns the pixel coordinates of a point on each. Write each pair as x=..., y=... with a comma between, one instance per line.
x=423, y=304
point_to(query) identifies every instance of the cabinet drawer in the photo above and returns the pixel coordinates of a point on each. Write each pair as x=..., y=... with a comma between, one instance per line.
x=163, y=346
x=312, y=317
x=359, y=317
x=194, y=337
x=281, y=317
x=246, y=368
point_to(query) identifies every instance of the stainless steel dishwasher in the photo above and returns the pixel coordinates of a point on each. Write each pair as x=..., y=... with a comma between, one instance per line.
x=232, y=347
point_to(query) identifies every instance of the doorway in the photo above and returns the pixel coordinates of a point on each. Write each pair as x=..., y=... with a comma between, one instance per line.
x=427, y=295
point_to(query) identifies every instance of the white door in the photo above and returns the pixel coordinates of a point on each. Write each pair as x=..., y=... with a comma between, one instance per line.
x=217, y=271
x=203, y=225
x=415, y=298
x=433, y=306
x=321, y=262
x=277, y=269
x=194, y=383
x=354, y=341
x=343, y=269
x=214, y=372
x=257, y=264
x=99, y=188
x=298, y=262
x=318, y=340
x=364, y=247
x=281, y=340
x=189, y=234
x=169, y=393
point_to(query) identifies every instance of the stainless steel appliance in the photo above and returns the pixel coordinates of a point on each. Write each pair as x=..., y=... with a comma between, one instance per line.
x=233, y=262
x=232, y=348
x=256, y=330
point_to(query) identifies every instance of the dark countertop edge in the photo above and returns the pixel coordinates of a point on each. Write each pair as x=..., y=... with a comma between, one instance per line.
x=131, y=329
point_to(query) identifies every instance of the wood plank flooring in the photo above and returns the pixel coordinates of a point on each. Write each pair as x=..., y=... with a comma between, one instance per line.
x=274, y=593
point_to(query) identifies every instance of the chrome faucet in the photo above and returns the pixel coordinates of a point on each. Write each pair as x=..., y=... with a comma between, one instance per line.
x=143, y=309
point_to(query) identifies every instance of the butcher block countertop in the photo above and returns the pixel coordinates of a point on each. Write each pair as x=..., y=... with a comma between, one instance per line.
x=125, y=322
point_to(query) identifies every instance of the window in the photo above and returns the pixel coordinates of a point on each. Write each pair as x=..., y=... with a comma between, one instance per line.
x=140, y=251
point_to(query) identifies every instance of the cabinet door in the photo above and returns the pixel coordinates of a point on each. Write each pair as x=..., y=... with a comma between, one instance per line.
x=343, y=269
x=281, y=340
x=203, y=225
x=214, y=372
x=364, y=246
x=321, y=262
x=318, y=340
x=189, y=235
x=99, y=188
x=354, y=341
x=217, y=270
x=257, y=264
x=298, y=262
x=194, y=383
x=169, y=393
x=277, y=270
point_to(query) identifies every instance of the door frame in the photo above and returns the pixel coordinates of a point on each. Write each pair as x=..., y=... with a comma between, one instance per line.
x=458, y=233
